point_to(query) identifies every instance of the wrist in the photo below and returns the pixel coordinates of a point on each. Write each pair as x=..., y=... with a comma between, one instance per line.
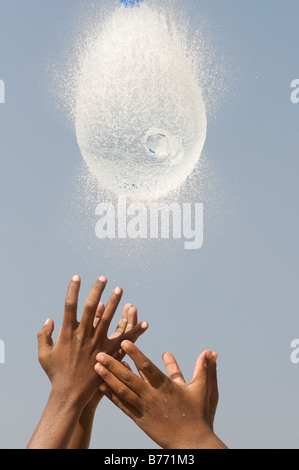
x=64, y=398
x=205, y=438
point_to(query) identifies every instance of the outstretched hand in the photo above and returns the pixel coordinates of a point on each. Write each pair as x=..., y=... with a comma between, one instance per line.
x=176, y=415
x=69, y=363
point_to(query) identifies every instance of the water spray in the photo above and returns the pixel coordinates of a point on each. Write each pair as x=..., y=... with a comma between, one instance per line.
x=140, y=116
x=131, y=3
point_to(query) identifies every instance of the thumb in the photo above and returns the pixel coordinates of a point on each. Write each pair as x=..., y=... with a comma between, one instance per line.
x=44, y=338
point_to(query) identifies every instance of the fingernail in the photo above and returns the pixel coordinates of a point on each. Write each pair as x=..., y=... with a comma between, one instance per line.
x=98, y=368
x=76, y=278
x=144, y=325
x=47, y=321
x=103, y=279
x=100, y=357
x=117, y=291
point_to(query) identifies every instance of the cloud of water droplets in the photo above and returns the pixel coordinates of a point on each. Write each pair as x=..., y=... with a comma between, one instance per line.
x=138, y=89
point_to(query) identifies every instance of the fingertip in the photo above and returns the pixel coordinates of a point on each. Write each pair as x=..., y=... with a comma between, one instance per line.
x=49, y=323
x=208, y=356
x=128, y=306
x=100, y=357
x=126, y=345
x=132, y=311
x=103, y=279
x=103, y=388
x=166, y=356
x=100, y=310
x=76, y=278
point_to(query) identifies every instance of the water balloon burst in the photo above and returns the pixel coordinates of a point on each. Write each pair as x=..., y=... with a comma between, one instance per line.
x=140, y=117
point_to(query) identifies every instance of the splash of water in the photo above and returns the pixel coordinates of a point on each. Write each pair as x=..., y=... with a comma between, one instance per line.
x=140, y=117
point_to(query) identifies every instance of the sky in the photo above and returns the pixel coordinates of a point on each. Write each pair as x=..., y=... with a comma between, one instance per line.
x=238, y=295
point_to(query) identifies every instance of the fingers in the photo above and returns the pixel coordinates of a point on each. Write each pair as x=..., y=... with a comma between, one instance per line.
x=213, y=388
x=45, y=341
x=123, y=324
x=131, y=336
x=120, y=379
x=104, y=324
x=71, y=303
x=132, y=319
x=173, y=369
x=99, y=314
x=201, y=366
x=126, y=324
x=124, y=406
x=146, y=368
x=201, y=377
x=91, y=305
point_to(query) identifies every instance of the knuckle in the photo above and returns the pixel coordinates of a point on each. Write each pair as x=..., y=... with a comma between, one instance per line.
x=89, y=305
x=146, y=365
x=122, y=392
x=126, y=377
x=105, y=321
x=121, y=406
x=106, y=376
x=70, y=306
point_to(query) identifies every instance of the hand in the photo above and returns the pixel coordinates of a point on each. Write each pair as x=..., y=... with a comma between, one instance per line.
x=69, y=363
x=127, y=322
x=83, y=431
x=174, y=414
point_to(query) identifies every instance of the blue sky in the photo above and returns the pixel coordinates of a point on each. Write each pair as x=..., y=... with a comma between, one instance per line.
x=238, y=295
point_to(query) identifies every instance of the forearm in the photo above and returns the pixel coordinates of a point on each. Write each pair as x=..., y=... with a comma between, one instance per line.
x=58, y=423
x=83, y=431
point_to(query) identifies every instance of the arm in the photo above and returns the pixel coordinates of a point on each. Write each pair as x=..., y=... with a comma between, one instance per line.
x=69, y=363
x=172, y=413
x=83, y=431
x=82, y=434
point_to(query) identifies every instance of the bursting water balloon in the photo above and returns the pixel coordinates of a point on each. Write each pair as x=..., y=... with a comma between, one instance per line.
x=140, y=116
